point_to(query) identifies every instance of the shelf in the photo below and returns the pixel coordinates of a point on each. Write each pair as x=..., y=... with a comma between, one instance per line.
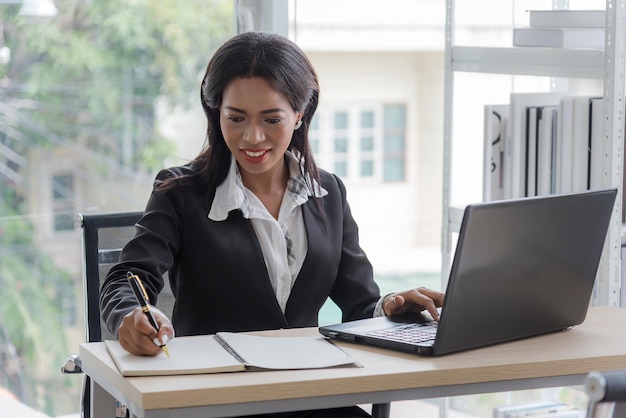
x=549, y=62
x=606, y=65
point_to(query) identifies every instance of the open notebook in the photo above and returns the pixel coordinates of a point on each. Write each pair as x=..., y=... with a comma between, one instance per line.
x=231, y=352
x=522, y=267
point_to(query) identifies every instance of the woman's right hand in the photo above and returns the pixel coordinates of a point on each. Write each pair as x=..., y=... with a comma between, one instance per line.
x=138, y=337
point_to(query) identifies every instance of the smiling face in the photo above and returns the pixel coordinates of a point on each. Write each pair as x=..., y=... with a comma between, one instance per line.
x=257, y=123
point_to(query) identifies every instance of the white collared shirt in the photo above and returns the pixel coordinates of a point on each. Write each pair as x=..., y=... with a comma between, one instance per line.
x=283, y=241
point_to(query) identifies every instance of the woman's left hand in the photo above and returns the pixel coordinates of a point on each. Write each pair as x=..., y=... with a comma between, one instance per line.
x=418, y=300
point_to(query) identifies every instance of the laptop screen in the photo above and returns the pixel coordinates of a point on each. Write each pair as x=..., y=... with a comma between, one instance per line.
x=523, y=267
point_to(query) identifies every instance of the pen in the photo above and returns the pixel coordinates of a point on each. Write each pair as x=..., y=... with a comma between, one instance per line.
x=144, y=302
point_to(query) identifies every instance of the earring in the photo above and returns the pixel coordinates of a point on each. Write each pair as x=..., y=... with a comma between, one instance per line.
x=298, y=125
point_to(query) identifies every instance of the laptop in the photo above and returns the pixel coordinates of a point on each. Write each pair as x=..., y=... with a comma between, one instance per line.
x=522, y=267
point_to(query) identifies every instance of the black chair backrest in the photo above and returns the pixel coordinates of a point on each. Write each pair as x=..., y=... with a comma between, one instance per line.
x=103, y=236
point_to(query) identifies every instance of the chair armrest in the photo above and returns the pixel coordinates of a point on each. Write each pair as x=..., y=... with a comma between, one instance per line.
x=72, y=365
x=606, y=386
x=607, y=393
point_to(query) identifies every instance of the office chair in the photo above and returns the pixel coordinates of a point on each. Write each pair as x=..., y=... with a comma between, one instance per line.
x=103, y=236
x=607, y=394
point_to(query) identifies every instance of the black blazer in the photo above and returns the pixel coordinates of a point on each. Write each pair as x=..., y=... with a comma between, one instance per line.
x=217, y=271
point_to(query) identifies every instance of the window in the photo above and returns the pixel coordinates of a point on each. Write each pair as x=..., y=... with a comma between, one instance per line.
x=394, y=142
x=340, y=143
x=314, y=134
x=89, y=112
x=362, y=149
x=63, y=202
x=367, y=147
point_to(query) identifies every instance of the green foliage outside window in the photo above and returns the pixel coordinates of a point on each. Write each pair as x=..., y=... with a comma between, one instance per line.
x=86, y=80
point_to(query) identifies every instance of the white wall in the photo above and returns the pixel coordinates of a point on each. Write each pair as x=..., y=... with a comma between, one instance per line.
x=400, y=223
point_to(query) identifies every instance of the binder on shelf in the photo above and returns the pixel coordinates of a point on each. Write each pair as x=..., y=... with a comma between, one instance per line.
x=495, y=119
x=566, y=18
x=596, y=105
x=515, y=171
x=530, y=183
x=546, y=147
x=540, y=150
x=564, y=145
x=588, y=38
x=581, y=150
x=576, y=144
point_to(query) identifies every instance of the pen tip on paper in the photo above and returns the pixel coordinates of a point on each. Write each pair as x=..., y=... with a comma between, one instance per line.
x=162, y=344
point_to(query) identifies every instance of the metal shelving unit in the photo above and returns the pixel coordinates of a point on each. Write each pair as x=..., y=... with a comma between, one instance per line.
x=608, y=65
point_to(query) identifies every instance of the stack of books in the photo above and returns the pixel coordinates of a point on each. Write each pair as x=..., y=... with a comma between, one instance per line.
x=546, y=409
x=562, y=29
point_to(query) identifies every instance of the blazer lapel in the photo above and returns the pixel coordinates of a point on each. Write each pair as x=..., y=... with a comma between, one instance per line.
x=258, y=269
x=318, y=271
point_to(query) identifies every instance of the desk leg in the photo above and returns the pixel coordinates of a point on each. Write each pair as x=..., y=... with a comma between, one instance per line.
x=381, y=410
x=102, y=403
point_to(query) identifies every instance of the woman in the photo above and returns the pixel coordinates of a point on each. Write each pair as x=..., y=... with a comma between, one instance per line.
x=252, y=234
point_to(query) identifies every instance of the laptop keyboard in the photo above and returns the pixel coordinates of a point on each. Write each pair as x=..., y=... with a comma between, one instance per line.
x=408, y=333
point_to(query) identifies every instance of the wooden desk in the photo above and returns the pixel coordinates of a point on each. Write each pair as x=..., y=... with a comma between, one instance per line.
x=558, y=359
